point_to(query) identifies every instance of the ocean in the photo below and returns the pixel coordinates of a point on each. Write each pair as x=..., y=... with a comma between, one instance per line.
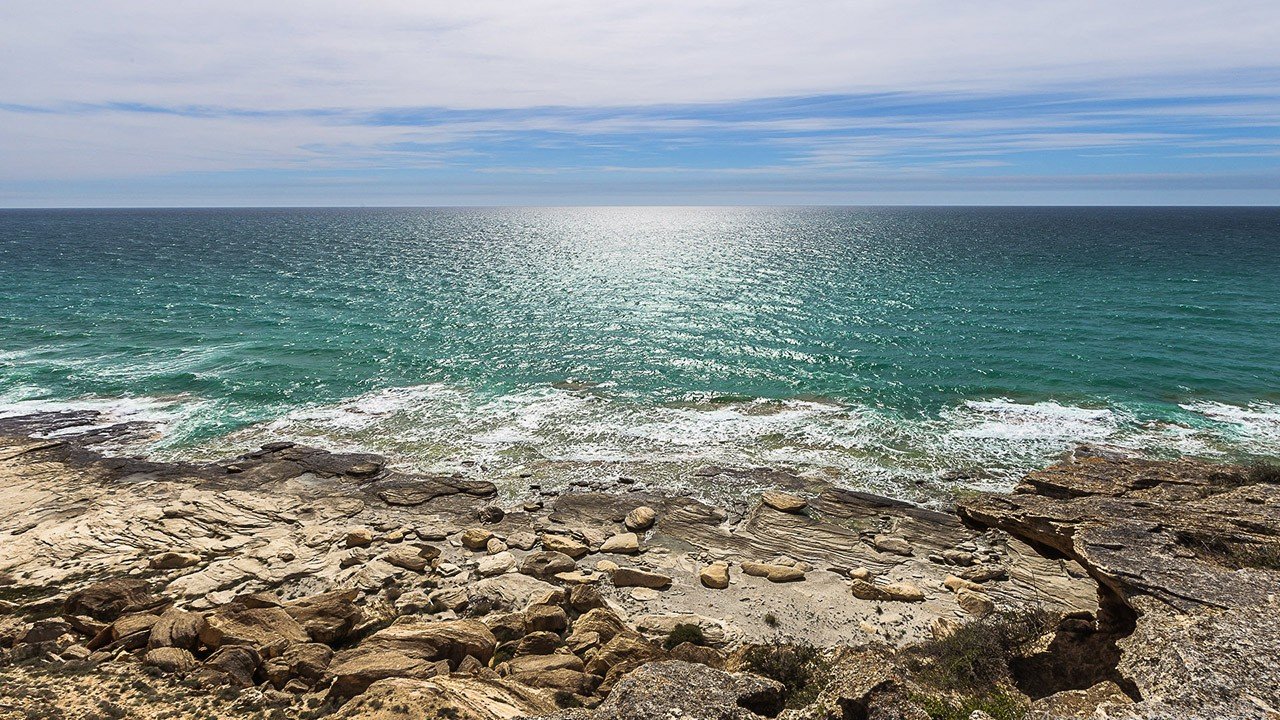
x=907, y=351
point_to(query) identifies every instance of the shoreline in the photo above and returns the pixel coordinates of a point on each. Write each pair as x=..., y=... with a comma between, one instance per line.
x=837, y=569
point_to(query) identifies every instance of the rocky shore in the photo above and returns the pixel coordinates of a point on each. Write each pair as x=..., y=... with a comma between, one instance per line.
x=292, y=582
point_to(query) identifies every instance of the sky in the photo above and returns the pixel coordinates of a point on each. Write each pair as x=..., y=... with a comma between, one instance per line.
x=572, y=102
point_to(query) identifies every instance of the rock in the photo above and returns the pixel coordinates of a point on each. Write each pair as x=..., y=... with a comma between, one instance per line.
x=409, y=647
x=894, y=592
x=546, y=564
x=640, y=519
x=784, y=502
x=545, y=618
x=578, y=577
x=174, y=560
x=894, y=545
x=460, y=697
x=498, y=564
x=985, y=573
x=690, y=691
x=176, y=628
x=773, y=573
x=505, y=626
x=688, y=652
x=543, y=662
x=622, y=648
x=715, y=576
x=127, y=625
x=42, y=631
x=231, y=665
x=563, y=544
x=975, y=603
x=359, y=537
x=958, y=557
x=660, y=626
x=522, y=540
x=603, y=622
x=307, y=662
x=490, y=514
x=622, y=543
x=860, y=573
x=354, y=557
x=266, y=630
x=171, y=659
x=415, y=559
x=632, y=577
x=537, y=643
x=644, y=594
x=943, y=628
x=513, y=592
x=106, y=601
x=607, y=566
x=562, y=680
x=495, y=546
x=585, y=597
x=328, y=617
x=76, y=652
x=476, y=539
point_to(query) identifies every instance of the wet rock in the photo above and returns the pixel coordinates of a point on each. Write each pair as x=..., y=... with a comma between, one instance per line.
x=633, y=577
x=784, y=502
x=640, y=519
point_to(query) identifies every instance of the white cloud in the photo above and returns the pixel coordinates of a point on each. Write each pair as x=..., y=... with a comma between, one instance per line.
x=486, y=53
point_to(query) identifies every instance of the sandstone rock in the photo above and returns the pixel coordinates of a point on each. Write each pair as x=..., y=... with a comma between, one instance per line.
x=578, y=577
x=955, y=584
x=784, y=502
x=459, y=697
x=773, y=573
x=505, y=627
x=621, y=648
x=894, y=545
x=563, y=544
x=106, y=601
x=641, y=518
x=602, y=621
x=171, y=659
x=545, y=618
x=266, y=630
x=985, y=573
x=585, y=597
x=607, y=566
x=892, y=592
x=546, y=564
x=513, y=592
x=715, y=576
x=176, y=628
x=498, y=564
x=860, y=573
x=42, y=631
x=562, y=680
x=409, y=648
x=537, y=643
x=415, y=559
x=495, y=546
x=943, y=628
x=688, y=652
x=661, y=625
x=975, y=603
x=307, y=662
x=622, y=543
x=328, y=617
x=958, y=557
x=632, y=577
x=540, y=663
x=231, y=665
x=174, y=560
x=522, y=540
x=359, y=537
x=127, y=625
x=476, y=539
x=690, y=691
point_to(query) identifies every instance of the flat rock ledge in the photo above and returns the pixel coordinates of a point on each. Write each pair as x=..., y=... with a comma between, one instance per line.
x=295, y=582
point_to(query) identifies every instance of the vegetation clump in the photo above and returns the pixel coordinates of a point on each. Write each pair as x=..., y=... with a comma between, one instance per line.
x=684, y=633
x=977, y=656
x=800, y=668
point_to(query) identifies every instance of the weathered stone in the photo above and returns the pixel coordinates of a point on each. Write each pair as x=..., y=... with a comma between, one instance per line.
x=359, y=537
x=306, y=661
x=894, y=545
x=784, y=502
x=564, y=544
x=522, y=540
x=461, y=697
x=701, y=654
x=174, y=560
x=975, y=603
x=547, y=563
x=773, y=573
x=537, y=643
x=409, y=647
x=894, y=592
x=958, y=557
x=108, y=600
x=266, y=630
x=585, y=597
x=171, y=659
x=498, y=564
x=621, y=648
x=476, y=539
x=954, y=584
x=127, y=625
x=415, y=559
x=633, y=577
x=548, y=618
x=495, y=546
x=715, y=576
x=328, y=617
x=602, y=621
x=622, y=543
x=691, y=690
x=640, y=519
x=232, y=665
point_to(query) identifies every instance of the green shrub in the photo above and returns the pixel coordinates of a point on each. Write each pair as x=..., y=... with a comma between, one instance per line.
x=976, y=656
x=683, y=633
x=1001, y=706
x=798, y=667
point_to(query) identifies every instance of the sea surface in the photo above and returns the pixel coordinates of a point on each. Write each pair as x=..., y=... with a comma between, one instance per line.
x=902, y=350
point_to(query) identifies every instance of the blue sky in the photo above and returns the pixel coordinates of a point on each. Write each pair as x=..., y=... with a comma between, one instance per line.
x=570, y=102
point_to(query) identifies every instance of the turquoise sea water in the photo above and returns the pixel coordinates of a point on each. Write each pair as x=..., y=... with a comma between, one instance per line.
x=885, y=348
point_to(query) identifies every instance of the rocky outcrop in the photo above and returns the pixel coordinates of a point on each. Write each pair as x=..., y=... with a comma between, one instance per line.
x=693, y=691
x=1188, y=556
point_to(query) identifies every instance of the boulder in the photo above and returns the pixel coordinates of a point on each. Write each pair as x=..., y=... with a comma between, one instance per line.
x=176, y=628
x=585, y=597
x=547, y=564
x=955, y=584
x=327, y=617
x=602, y=621
x=173, y=560
x=701, y=654
x=690, y=691
x=773, y=573
x=412, y=558
x=359, y=537
x=231, y=665
x=784, y=502
x=522, y=540
x=715, y=576
x=545, y=618
x=633, y=577
x=410, y=647
x=475, y=539
x=459, y=697
x=622, y=544
x=307, y=662
x=498, y=564
x=564, y=544
x=892, y=545
x=127, y=625
x=975, y=603
x=108, y=600
x=267, y=630
x=629, y=648
x=541, y=663
x=640, y=519
x=563, y=680
x=171, y=659
x=892, y=592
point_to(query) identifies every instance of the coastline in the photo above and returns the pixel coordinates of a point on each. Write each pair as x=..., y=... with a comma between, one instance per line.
x=850, y=571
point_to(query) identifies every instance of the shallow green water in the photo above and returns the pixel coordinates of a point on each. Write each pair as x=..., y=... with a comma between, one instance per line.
x=881, y=346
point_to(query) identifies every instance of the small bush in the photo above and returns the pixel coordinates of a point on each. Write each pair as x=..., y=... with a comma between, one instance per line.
x=771, y=620
x=976, y=657
x=683, y=633
x=798, y=667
